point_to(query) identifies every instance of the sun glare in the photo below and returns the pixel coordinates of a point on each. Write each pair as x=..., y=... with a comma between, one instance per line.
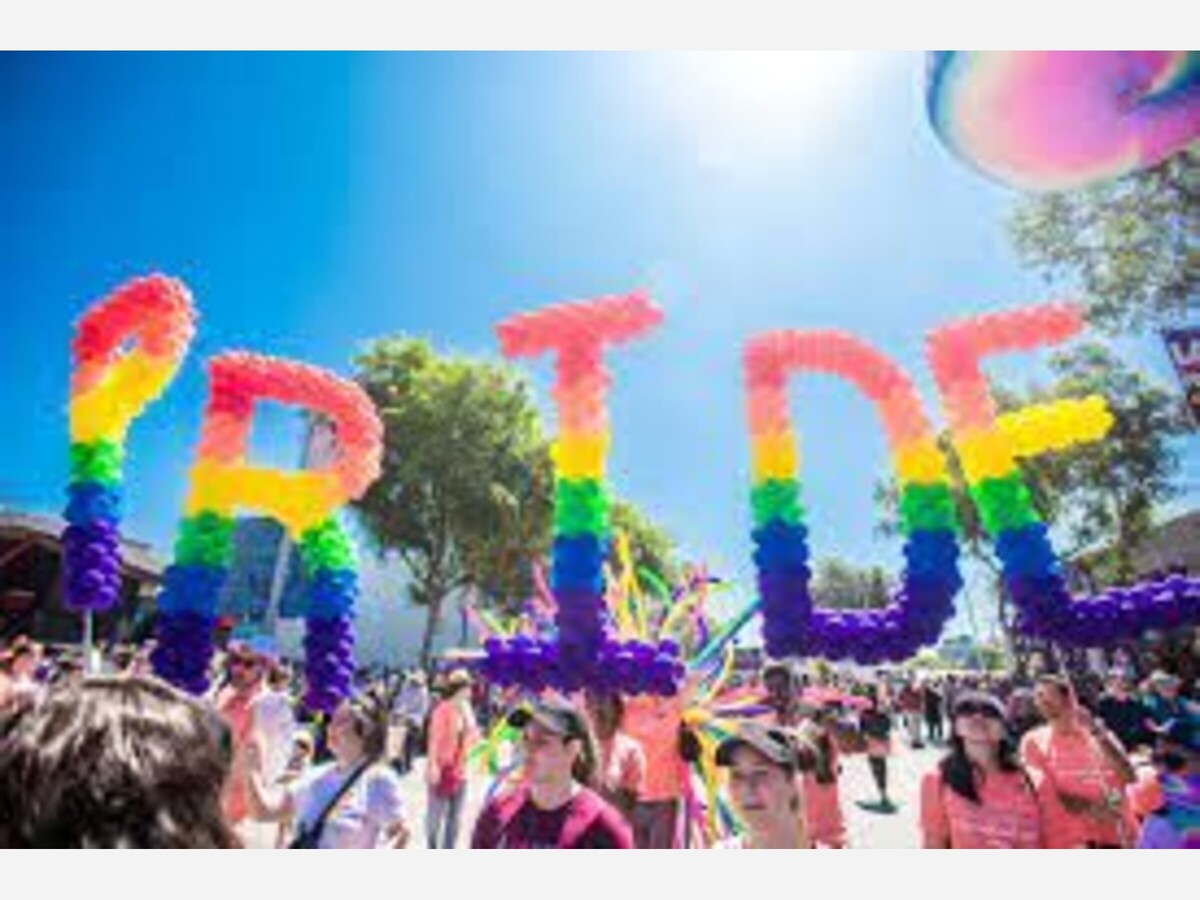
x=770, y=101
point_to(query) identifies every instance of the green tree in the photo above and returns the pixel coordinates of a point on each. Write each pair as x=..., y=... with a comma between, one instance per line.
x=650, y=547
x=464, y=499
x=1097, y=497
x=837, y=584
x=1104, y=494
x=1131, y=245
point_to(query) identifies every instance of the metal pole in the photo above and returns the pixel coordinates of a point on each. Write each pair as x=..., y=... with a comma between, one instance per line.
x=89, y=667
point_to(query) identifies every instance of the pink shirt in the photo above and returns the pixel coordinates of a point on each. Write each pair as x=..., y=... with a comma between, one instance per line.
x=452, y=734
x=235, y=708
x=1073, y=762
x=622, y=765
x=823, y=817
x=1007, y=816
x=654, y=723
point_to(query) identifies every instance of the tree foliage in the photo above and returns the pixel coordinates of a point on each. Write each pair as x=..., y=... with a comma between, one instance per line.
x=465, y=495
x=1099, y=499
x=837, y=584
x=1132, y=246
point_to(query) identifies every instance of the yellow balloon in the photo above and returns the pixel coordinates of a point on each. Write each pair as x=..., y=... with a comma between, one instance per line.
x=985, y=454
x=921, y=462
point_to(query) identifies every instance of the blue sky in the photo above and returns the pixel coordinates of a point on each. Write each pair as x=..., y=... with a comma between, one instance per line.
x=312, y=202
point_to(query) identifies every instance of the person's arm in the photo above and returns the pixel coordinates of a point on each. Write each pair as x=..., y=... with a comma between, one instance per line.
x=265, y=804
x=935, y=824
x=1110, y=747
x=386, y=805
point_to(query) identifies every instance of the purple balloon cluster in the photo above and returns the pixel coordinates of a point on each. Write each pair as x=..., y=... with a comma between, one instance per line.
x=328, y=662
x=1046, y=609
x=91, y=566
x=625, y=667
x=183, y=649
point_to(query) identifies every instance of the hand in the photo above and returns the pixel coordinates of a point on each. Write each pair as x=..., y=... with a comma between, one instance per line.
x=399, y=836
x=252, y=758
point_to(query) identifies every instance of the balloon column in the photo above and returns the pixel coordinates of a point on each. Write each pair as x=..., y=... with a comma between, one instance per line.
x=1054, y=120
x=791, y=626
x=581, y=655
x=706, y=706
x=304, y=502
x=109, y=389
x=989, y=445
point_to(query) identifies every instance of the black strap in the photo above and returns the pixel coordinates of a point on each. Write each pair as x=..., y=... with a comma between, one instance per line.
x=314, y=831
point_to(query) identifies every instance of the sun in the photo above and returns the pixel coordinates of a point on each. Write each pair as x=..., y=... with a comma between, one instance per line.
x=743, y=103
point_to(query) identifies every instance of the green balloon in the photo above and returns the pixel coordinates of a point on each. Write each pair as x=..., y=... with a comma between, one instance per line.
x=327, y=546
x=98, y=461
x=777, y=499
x=927, y=507
x=1004, y=503
x=205, y=539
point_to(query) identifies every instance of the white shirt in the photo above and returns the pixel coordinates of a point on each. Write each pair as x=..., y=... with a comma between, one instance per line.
x=362, y=817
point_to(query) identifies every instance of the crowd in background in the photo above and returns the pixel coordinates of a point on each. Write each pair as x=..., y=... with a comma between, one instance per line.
x=118, y=758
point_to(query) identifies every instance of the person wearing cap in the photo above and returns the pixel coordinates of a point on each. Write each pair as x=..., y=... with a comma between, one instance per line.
x=554, y=806
x=1080, y=770
x=1175, y=822
x=979, y=797
x=255, y=715
x=452, y=734
x=765, y=764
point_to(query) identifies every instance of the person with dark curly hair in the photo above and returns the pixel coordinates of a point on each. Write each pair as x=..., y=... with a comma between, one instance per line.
x=114, y=762
x=979, y=796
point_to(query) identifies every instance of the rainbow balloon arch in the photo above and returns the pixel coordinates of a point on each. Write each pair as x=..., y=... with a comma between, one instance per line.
x=1112, y=112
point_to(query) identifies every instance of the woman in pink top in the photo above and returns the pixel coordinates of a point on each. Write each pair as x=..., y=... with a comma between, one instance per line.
x=979, y=797
x=452, y=734
x=1082, y=773
x=622, y=760
x=822, y=798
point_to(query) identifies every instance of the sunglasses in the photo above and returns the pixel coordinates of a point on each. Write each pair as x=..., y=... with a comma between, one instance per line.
x=979, y=709
x=241, y=662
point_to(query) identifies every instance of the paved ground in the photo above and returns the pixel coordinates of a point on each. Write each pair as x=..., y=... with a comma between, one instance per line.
x=868, y=829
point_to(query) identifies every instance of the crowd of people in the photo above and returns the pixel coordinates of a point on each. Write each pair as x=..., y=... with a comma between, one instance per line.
x=119, y=758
